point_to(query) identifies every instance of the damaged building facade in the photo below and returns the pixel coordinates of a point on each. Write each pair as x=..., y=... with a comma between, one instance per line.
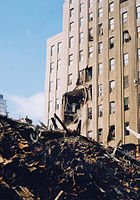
x=93, y=70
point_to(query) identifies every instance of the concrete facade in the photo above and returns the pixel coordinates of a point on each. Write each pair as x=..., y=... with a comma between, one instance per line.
x=100, y=52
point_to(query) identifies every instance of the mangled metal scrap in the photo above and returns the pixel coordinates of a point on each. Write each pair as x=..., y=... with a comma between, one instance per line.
x=53, y=167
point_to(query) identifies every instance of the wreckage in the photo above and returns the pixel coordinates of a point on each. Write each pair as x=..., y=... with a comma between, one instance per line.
x=38, y=164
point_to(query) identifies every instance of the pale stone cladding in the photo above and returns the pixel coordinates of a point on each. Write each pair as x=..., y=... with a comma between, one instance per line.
x=103, y=35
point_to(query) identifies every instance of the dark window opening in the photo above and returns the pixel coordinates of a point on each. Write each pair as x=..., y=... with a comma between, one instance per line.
x=126, y=132
x=88, y=74
x=126, y=37
x=122, y=1
x=111, y=135
x=100, y=135
x=126, y=103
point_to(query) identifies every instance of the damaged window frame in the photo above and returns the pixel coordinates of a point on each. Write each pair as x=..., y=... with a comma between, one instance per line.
x=126, y=132
x=88, y=74
x=111, y=134
x=126, y=36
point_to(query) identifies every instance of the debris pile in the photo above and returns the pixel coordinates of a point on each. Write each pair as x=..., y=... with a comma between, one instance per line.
x=36, y=164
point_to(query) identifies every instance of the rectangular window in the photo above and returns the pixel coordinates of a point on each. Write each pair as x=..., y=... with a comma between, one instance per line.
x=57, y=104
x=90, y=113
x=126, y=103
x=58, y=84
x=138, y=12
x=52, y=50
x=100, y=47
x=112, y=107
x=111, y=7
x=90, y=3
x=124, y=18
x=111, y=135
x=81, y=7
x=111, y=86
x=88, y=74
x=100, y=90
x=125, y=59
x=112, y=64
x=126, y=82
x=69, y=79
x=71, y=12
x=49, y=106
x=50, y=86
x=90, y=32
x=51, y=67
x=58, y=64
x=100, y=12
x=100, y=29
x=139, y=54
x=81, y=21
x=81, y=56
x=111, y=24
x=126, y=132
x=90, y=17
x=59, y=48
x=90, y=51
x=81, y=77
x=81, y=37
x=100, y=68
x=126, y=36
x=71, y=26
x=71, y=42
x=111, y=42
x=100, y=135
x=71, y=59
x=100, y=110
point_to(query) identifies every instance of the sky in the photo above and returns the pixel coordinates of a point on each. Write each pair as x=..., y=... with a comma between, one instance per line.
x=25, y=26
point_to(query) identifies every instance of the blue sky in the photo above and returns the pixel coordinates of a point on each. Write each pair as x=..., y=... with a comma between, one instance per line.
x=25, y=27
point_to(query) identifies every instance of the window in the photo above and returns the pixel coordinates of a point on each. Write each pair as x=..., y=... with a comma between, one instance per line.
x=52, y=50
x=81, y=37
x=90, y=34
x=59, y=48
x=126, y=103
x=81, y=56
x=100, y=29
x=90, y=113
x=112, y=64
x=49, y=106
x=138, y=77
x=50, y=86
x=100, y=68
x=71, y=42
x=100, y=47
x=100, y=90
x=58, y=64
x=90, y=51
x=100, y=110
x=122, y=1
x=90, y=17
x=126, y=82
x=125, y=59
x=111, y=42
x=124, y=18
x=71, y=12
x=126, y=132
x=81, y=21
x=100, y=12
x=126, y=36
x=100, y=135
x=111, y=24
x=111, y=7
x=138, y=12
x=71, y=26
x=89, y=134
x=138, y=31
x=112, y=107
x=81, y=7
x=57, y=104
x=58, y=84
x=51, y=67
x=69, y=79
x=71, y=59
x=111, y=135
x=90, y=3
x=139, y=54
x=88, y=74
x=111, y=86
x=81, y=77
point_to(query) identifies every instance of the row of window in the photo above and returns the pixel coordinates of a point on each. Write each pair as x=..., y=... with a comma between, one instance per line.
x=59, y=48
x=57, y=105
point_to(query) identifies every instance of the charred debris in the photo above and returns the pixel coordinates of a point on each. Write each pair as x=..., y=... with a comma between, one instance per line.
x=38, y=164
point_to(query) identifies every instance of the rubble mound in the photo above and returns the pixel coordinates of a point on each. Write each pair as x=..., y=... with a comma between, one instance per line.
x=36, y=163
